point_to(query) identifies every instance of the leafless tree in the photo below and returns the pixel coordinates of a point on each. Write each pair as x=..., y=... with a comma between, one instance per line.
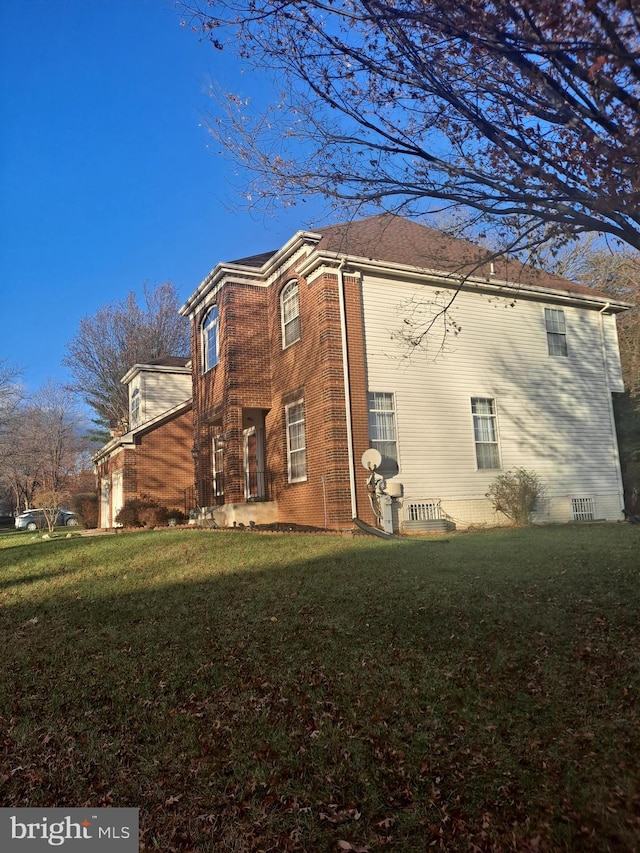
x=45, y=442
x=524, y=113
x=120, y=335
x=22, y=466
x=10, y=395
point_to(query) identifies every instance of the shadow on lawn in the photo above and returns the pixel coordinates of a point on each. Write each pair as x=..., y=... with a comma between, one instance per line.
x=289, y=693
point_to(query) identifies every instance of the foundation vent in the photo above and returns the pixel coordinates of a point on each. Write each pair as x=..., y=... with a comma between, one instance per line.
x=423, y=511
x=582, y=509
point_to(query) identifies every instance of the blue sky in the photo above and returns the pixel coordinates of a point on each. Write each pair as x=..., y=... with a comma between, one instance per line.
x=107, y=179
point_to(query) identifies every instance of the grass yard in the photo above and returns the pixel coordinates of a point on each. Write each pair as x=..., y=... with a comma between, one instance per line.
x=316, y=693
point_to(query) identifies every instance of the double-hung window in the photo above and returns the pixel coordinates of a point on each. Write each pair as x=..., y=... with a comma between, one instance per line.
x=217, y=458
x=556, y=331
x=296, y=442
x=382, y=427
x=210, y=339
x=485, y=432
x=290, y=314
x=134, y=408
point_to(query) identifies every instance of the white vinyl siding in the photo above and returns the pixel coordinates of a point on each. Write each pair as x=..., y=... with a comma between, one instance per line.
x=612, y=352
x=296, y=442
x=553, y=414
x=157, y=392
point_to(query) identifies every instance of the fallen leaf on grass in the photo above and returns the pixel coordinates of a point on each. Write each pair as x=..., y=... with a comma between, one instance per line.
x=354, y=848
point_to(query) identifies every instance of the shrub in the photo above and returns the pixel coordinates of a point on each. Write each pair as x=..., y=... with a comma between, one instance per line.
x=179, y=516
x=128, y=515
x=138, y=512
x=147, y=512
x=153, y=515
x=85, y=506
x=515, y=494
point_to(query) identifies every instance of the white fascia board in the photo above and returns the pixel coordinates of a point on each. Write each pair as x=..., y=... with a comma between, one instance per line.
x=218, y=276
x=163, y=416
x=224, y=272
x=319, y=262
x=129, y=438
x=297, y=242
x=300, y=251
x=153, y=368
x=113, y=447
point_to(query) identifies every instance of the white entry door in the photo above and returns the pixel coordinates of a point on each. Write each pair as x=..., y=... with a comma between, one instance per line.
x=116, y=495
x=254, y=485
x=105, y=503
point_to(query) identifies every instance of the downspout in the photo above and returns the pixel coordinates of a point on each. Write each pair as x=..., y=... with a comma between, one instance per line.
x=347, y=387
x=612, y=417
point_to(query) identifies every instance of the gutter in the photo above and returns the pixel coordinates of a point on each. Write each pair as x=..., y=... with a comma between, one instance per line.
x=347, y=387
x=612, y=417
x=452, y=279
x=373, y=531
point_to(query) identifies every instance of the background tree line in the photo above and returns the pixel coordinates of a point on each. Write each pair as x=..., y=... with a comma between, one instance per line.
x=523, y=114
x=43, y=451
x=46, y=438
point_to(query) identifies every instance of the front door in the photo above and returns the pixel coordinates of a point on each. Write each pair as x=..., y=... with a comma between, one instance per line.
x=253, y=464
x=117, y=494
x=105, y=504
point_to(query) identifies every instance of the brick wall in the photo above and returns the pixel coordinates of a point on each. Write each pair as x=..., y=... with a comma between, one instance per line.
x=159, y=466
x=311, y=369
x=163, y=462
x=242, y=379
x=255, y=372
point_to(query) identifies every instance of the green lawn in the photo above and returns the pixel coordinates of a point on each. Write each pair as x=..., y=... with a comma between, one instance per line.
x=316, y=693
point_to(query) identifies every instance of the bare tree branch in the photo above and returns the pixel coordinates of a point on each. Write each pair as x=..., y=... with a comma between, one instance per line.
x=120, y=335
x=524, y=108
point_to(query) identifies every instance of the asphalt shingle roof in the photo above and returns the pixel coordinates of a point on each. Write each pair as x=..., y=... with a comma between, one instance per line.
x=387, y=237
x=169, y=361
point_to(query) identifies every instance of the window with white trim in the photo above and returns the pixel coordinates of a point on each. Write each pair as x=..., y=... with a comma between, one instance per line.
x=556, y=327
x=485, y=431
x=290, y=314
x=217, y=459
x=134, y=408
x=296, y=442
x=210, y=339
x=382, y=429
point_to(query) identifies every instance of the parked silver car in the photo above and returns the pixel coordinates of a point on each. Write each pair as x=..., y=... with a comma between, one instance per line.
x=35, y=519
